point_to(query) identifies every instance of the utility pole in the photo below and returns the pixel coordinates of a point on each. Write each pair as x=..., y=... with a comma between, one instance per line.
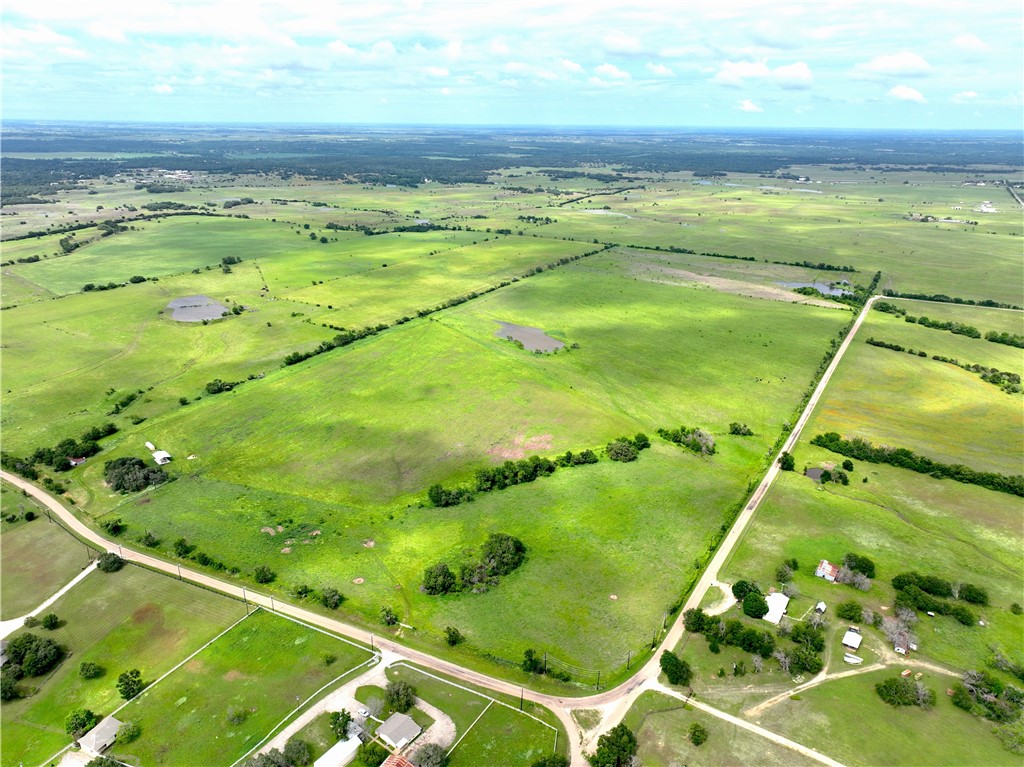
x=179, y=571
x=521, y=698
x=545, y=663
x=598, y=686
x=629, y=657
x=245, y=600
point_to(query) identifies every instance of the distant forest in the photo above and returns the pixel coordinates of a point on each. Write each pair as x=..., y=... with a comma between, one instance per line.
x=408, y=156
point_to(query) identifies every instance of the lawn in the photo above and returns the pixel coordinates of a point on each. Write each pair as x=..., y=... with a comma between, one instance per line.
x=836, y=717
x=662, y=726
x=374, y=698
x=318, y=735
x=36, y=558
x=264, y=667
x=130, y=619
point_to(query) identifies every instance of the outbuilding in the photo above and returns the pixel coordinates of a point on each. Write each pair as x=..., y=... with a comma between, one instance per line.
x=340, y=754
x=101, y=737
x=827, y=570
x=399, y=731
x=852, y=639
x=820, y=608
x=161, y=457
x=76, y=461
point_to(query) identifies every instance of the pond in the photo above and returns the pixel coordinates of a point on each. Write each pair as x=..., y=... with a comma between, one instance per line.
x=822, y=287
x=196, y=309
x=532, y=339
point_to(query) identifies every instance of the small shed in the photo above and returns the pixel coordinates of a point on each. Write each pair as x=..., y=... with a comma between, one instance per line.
x=100, y=737
x=820, y=608
x=340, y=754
x=161, y=457
x=852, y=639
x=76, y=461
x=399, y=731
x=827, y=570
x=150, y=446
x=777, y=604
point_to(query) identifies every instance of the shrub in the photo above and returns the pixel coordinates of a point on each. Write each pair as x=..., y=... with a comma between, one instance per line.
x=453, y=636
x=387, y=616
x=973, y=594
x=431, y=755
x=848, y=465
x=50, y=621
x=372, y=754
x=439, y=579
x=237, y=715
x=502, y=553
x=400, y=696
x=551, y=760
x=33, y=655
x=741, y=588
x=109, y=562
x=331, y=598
x=128, y=732
x=621, y=451
x=79, y=722
x=754, y=605
x=130, y=684
x=849, y=610
x=616, y=748
x=1016, y=608
x=263, y=574
x=698, y=733
x=89, y=670
x=676, y=669
x=786, y=461
x=297, y=753
x=740, y=429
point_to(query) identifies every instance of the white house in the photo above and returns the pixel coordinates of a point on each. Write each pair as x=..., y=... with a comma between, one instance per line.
x=852, y=639
x=777, y=604
x=101, y=737
x=398, y=731
x=161, y=457
x=820, y=607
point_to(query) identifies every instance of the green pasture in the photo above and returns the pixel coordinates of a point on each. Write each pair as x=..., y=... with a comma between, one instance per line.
x=266, y=665
x=130, y=619
x=503, y=736
x=36, y=558
x=662, y=726
x=846, y=720
x=903, y=521
x=933, y=408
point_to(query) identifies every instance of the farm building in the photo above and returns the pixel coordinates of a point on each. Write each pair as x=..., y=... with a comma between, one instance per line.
x=820, y=607
x=777, y=604
x=399, y=731
x=852, y=639
x=397, y=761
x=827, y=570
x=901, y=646
x=340, y=754
x=150, y=446
x=161, y=457
x=100, y=737
x=76, y=461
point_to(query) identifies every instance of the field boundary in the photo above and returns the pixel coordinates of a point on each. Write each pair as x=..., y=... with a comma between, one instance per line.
x=470, y=728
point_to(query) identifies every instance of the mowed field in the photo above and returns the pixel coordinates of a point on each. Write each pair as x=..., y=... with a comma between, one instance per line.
x=371, y=426
x=130, y=619
x=263, y=667
x=36, y=558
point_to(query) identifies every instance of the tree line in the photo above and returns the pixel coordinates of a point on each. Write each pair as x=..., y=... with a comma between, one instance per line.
x=906, y=459
x=1008, y=382
x=57, y=457
x=690, y=437
x=500, y=555
x=944, y=299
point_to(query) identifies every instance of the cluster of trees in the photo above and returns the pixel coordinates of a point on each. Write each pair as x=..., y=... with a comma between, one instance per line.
x=182, y=548
x=216, y=386
x=168, y=205
x=939, y=587
x=895, y=347
x=983, y=694
x=697, y=440
x=500, y=555
x=906, y=459
x=328, y=596
x=297, y=753
x=130, y=474
x=27, y=655
x=676, y=670
x=89, y=287
x=897, y=691
x=125, y=401
x=538, y=219
x=1010, y=339
x=957, y=328
x=625, y=449
x=1008, y=382
x=690, y=251
x=944, y=299
x=509, y=473
x=109, y=562
x=740, y=429
x=400, y=696
x=235, y=203
x=731, y=632
x=56, y=457
x=533, y=664
x=616, y=748
x=911, y=595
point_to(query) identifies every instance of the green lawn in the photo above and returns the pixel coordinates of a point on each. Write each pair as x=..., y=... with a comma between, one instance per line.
x=264, y=666
x=36, y=558
x=662, y=726
x=846, y=720
x=130, y=619
x=318, y=735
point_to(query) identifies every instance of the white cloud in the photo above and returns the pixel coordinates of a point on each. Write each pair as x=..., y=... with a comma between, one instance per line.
x=749, y=106
x=970, y=43
x=790, y=76
x=619, y=42
x=446, y=91
x=611, y=71
x=660, y=70
x=498, y=47
x=905, y=93
x=793, y=76
x=571, y=65
x=106, y=32
x=341, y=48
x=964, y=97
x=382, y=49
x=163, y=89
x=436, y=71
x=902, y=64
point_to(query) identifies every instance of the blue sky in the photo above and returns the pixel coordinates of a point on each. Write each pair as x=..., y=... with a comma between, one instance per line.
x=864, y=64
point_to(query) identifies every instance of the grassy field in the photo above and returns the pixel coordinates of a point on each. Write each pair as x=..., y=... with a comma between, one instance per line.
x=36, y=558
x=264, y=666
x=835, y=717
x=318, y=735
x=130, y=619
x=662, y=727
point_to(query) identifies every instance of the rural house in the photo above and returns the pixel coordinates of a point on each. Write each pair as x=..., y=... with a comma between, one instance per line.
x=100, y=737
x=398, y=731
x=852, y=639
x=76, y=461
x=397, y=761
x=827, y=570
x=777, y=604
x=161, y=457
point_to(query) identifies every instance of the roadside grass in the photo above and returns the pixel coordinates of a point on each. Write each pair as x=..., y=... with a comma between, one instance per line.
x=662, y=727
x=36, y=558
x=903, y=521
x=130, y=619
x=931, y=407
x=502, y=736
x=835, y=718
x=265, y=666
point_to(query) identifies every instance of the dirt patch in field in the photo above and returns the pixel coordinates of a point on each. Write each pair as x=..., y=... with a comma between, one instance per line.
x=234, y=675
x=146, y=614
x=369, y=543
x=314, y=533
x=358, y=581
x=532, y=339
x=613, y=597
x=286, y=550
x=268, y=530
x=196, y=309
x=144, y=501
x=519, y=447
x=666, y=275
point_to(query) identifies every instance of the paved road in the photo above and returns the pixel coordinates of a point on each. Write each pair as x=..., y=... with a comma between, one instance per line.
x=613, y=703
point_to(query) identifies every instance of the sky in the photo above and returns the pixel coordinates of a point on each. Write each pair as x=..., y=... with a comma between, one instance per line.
x=899, y=64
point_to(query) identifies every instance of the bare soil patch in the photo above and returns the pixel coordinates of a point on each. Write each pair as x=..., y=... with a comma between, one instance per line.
x=286, y=550
x=196, y=309
x=358, y=581
x=532, y=339
x=268, y=530
x=369, y=543
x=521, y=444
x=668, y=276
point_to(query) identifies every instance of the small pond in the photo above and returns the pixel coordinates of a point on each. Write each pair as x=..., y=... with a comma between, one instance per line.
x=821, y=287
x=196, y=309
x=532, y=339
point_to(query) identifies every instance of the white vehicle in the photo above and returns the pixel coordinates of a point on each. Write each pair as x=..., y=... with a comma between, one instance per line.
x=363, y=712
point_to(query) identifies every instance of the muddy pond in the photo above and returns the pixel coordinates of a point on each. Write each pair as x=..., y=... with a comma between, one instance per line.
x=822, y=287
x=196, y=309
x=532, y=339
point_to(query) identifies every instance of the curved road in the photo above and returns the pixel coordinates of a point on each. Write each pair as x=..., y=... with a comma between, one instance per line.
x=613, y=703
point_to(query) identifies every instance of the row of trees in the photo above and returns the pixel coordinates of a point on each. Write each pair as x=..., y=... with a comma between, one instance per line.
x=130, y=474
x=731, y=633
x=906, y=459
x=984, y=694
x=57, y=457
x=697, y=440
x=500, y=555
x=1010, y=339
x=957, y=328
x=625, y=449
x=944, y=299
